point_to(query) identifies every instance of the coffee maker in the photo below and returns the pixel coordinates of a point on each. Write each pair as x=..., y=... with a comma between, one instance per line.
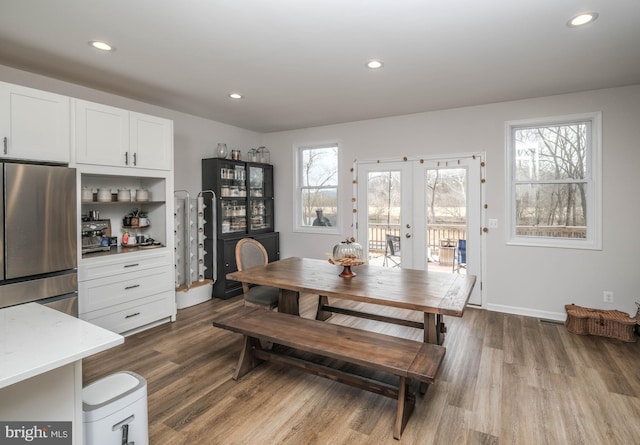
x=93, y=234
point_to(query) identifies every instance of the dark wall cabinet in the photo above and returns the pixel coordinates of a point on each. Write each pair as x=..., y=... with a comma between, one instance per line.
x=244, y=208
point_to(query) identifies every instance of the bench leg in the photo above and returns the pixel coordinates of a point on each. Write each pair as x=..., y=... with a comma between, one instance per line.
x=406, y=402
x=321, y=315
x=247, y=361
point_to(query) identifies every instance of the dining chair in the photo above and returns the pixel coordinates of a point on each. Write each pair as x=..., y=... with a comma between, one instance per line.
x=460, y=256
x=251, y=253
x=392, y=251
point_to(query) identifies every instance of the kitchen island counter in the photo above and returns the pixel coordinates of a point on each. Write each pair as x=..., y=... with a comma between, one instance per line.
x=35, y=339
x=41, y=352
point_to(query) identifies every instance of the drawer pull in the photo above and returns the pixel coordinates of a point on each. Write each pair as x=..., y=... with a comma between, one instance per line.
x=132, y=287
x=132, y=315
x=131, y=265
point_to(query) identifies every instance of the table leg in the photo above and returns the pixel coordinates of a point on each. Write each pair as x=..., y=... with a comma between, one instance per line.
x=433, y=328
x=289, y=302
x=320, y=314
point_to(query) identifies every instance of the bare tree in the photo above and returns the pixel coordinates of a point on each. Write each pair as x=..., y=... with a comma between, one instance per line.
x=446, y=195
x=551, y=169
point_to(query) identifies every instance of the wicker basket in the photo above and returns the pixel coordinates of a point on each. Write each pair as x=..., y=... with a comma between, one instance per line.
x=613, y=324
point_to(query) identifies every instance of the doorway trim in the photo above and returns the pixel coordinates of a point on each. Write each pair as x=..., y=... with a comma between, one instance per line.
x=435, y=158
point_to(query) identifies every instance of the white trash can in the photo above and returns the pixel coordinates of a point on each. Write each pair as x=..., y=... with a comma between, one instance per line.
x=114, y=410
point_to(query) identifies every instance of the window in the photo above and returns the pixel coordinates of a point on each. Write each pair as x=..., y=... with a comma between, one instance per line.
x=554, y=191
x=317, y=188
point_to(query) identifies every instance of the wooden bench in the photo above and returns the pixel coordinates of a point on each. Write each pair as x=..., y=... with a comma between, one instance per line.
x=412, y=361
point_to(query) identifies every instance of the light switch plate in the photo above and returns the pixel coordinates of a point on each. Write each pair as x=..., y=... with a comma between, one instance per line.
x=493, y=223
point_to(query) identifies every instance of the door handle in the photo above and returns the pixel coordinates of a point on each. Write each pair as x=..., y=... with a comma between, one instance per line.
x=408, y=235
x=126, y=158
x=131, y=287
x=5, y=144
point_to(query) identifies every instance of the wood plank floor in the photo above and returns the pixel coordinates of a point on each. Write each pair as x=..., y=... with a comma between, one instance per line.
x=505, y=380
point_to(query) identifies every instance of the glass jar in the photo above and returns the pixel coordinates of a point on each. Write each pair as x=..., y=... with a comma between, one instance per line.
x=263, y=155
x=221, y=151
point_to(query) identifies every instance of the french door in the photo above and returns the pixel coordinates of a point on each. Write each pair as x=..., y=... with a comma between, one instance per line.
x=418, y=213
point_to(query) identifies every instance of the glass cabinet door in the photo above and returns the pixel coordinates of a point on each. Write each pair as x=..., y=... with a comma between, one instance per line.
x=233, y=194
x=234, y=217
x=260, y=184
x=261, y=215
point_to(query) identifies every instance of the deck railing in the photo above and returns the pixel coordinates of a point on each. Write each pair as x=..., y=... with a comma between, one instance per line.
x=442, y=232
x=553, y=231
x=435, y=234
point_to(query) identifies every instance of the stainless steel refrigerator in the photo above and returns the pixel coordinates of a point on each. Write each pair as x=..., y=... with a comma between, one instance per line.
x=38, y=238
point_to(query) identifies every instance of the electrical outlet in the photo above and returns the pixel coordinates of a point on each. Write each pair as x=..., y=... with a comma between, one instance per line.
x=493, y=223
x=607, y=296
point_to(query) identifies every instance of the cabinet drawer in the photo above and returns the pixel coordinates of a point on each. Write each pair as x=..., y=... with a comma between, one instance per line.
x=110, y=291
x=131, y=315
x=106, y=267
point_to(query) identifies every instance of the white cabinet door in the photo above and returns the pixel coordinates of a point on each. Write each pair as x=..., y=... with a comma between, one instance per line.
x=101, y=134
x=151, y=142
x=34, y=124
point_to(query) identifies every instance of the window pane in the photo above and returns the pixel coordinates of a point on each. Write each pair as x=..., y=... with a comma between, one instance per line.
x=319, y=207
x=320, y=167
x=447, y=195
x=551, y=152
x=383, y=195
x=551, y=210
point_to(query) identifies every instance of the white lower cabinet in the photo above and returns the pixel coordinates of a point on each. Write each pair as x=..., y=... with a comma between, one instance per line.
x=127, y=293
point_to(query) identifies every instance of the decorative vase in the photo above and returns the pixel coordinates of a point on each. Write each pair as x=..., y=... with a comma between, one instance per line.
x=221, y=151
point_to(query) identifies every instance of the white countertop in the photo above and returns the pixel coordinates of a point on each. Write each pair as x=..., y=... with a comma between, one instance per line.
x=35, y=339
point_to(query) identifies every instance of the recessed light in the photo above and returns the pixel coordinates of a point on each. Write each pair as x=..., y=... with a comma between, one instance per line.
x=374, y=64
x=582, y=19
x=104, y=46
x=235, y=96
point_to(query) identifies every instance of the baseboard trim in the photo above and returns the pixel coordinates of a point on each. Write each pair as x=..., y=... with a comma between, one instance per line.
x=557, y=316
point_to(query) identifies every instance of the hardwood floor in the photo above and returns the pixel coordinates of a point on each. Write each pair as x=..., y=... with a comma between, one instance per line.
x=505, y=379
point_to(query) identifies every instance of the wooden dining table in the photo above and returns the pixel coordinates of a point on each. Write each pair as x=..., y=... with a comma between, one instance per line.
x=435, y=294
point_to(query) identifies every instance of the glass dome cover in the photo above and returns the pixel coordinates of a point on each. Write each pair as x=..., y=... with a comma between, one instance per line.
x=347, y=253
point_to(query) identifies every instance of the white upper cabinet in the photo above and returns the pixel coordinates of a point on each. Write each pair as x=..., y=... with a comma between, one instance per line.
x=34, y=124
x=151, y=141
x=101, y=134
x=112, y=136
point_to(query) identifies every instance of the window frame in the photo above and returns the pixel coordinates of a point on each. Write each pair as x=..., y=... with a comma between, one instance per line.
x=593, y=179
x=298, y=187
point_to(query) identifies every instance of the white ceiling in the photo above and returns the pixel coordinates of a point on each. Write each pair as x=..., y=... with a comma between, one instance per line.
x=300, y=63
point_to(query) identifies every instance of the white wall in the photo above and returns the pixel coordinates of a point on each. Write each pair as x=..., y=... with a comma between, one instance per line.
x=194, y=138
x=527, y=280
